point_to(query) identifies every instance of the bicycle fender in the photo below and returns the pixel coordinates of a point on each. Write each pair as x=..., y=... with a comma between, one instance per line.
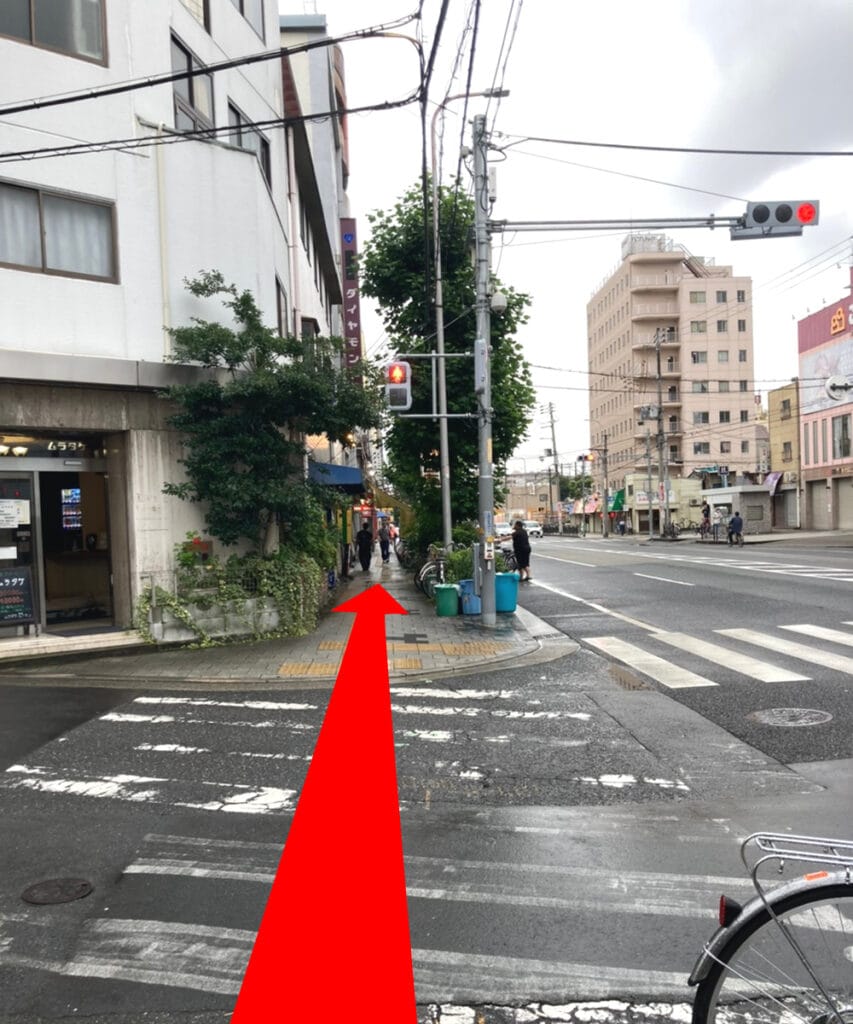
x=720, y=939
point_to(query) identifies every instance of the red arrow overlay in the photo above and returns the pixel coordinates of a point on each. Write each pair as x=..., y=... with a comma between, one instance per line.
x=336, y=924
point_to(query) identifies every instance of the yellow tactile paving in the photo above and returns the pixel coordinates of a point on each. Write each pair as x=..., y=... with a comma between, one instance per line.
x=414, y=647
x=474, y=647
x=406, y=663
x=330, y=645
x=308, y=668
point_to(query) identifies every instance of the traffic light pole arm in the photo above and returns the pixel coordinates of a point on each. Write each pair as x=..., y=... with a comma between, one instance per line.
x=434, y=356
x=616, y=225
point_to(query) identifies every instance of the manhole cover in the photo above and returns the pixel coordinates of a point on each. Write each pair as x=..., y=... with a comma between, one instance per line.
x=790, y=717
x=57, y=890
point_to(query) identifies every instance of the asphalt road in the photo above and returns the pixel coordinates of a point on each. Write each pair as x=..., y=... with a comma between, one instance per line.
x=567, y=825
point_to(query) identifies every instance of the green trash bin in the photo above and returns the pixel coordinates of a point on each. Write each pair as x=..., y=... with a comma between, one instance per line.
x=446, y=599
x=506, y=591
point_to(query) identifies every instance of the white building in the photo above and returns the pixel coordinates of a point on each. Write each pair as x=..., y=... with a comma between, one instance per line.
x=94, y=250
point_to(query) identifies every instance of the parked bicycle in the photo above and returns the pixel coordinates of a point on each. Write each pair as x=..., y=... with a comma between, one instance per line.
x=785, y=956
x=671, y=530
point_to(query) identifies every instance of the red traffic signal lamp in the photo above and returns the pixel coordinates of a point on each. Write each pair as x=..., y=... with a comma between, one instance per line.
x=778, y=219
x=398, y=386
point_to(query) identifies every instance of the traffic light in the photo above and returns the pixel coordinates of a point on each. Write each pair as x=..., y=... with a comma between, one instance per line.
x=775, y=220
x=398, y=386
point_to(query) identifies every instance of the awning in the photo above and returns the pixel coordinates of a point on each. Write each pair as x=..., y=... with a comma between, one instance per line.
x=345, y=478
x=591, y=506
x=772, y=481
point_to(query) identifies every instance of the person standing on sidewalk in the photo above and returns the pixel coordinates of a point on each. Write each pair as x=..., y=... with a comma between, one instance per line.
x=521, y=550
x=364, y=545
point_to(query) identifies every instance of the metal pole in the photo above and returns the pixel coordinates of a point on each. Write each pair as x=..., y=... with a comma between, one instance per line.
x=605, y=519
x=443, y=440
x=649, y=477
x=556, y=468
x=486, y=485
x=661, y=520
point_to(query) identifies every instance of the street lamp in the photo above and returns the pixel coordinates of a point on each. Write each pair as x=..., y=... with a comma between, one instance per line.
x=443, y=444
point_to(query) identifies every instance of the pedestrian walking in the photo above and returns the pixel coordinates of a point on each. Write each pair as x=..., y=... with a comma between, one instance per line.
x=364, y=545
x=717, y=523
x=384, y=536
x=521, y=550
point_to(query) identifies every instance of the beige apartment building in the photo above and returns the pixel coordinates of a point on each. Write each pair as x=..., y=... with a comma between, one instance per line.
x=670, y=331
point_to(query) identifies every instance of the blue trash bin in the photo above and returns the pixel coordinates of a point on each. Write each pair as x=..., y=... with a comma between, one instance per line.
x=506, y=591
x=471, y=603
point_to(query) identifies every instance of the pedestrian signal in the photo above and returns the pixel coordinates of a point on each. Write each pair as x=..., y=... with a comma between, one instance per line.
x=398, y=386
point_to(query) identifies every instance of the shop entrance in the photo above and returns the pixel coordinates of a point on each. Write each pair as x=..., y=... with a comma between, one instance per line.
x=75, y=550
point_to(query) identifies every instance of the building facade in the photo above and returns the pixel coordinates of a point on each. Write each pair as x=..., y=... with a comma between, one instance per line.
x=671, y=394
x=95, y=247
x=825, y=345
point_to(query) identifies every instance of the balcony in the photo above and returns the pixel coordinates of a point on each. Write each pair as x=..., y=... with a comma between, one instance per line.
x=669, y=367
x=646, y=339
x=653, y=310
x=653, y=282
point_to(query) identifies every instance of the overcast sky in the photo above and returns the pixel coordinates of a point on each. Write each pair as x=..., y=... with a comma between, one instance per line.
x=759, y=74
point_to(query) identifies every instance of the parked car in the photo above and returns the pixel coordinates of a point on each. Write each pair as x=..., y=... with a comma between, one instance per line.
x=533, y=528
x=503, y=535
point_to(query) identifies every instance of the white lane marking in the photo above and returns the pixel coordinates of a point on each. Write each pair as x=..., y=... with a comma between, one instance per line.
x=742, y=663
x=429, y=735
x=667, y=674
x=237, y=797
x=206, y=702
x=570, y=561
x=478, y=974
x=115, y=716
x=835, y=636
x=663, y=579
x=838, y=662
x=414, y=691
x=471, y=712
x=597, y=607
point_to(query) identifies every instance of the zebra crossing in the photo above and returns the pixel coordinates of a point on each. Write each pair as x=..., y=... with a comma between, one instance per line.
x=674, y=676
x=737, y=560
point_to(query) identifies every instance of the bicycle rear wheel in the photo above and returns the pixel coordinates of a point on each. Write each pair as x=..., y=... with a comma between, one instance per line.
x=759, y=976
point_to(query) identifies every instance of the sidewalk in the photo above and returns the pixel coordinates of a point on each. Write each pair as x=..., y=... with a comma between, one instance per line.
x=419, y=644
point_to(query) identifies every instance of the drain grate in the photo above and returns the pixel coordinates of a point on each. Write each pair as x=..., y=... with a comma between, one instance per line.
x=57, y=890
x=790, y=717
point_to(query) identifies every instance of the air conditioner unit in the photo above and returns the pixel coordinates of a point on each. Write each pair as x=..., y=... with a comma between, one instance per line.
x=789, y=477
x=695, y=502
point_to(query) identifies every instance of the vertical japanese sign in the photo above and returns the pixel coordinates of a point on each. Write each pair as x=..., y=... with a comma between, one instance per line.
x=351, y=307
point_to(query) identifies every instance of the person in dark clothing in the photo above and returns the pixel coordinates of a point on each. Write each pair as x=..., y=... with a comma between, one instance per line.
x=735, y=528
x=384, y=535
x=364, y=545
x=521, y=549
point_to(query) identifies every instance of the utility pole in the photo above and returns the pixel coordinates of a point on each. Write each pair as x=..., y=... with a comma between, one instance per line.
x=556, y=468
x=605, y=518
x=663, y=463
x=486, y=492
x=649, y=478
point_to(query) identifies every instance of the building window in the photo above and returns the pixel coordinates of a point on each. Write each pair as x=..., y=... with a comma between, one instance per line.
x=787, y=452
x=698, y=327
x=743, y=385
x=742, y=355
x=193, y=96
x=741, y=326
x=200, y=10
x=841, y=437
x=253, y=12
x=725, y=416
x=251, y=139
x=725, y=447
x=741, y=295
x=723, y=386
x=744, y=415
x=723, y=355
x=722, y=327
x=722, y=297
x=702, y=448
x=699, y=418
x=697, y=296
x=785, y=409
x=700, y=387
x=744, y=447
x=281, y=309
x=56, y=234
x=814, y=442
x=70, y=26
x=698, y=357
x=806, y=457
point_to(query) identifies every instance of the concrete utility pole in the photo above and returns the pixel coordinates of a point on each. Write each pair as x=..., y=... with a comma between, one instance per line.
x=663, y=463
x=556, y=467
x=483, y=266
x=605, y=518
x=649, y=478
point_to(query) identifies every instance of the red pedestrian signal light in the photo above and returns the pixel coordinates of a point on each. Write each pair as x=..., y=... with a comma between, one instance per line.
x=398, y=386
x=775, y=220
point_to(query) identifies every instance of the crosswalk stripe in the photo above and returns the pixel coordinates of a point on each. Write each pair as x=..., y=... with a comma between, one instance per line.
x=663, y=671
x=742, y=663
x=834, y=636
x=838, y=662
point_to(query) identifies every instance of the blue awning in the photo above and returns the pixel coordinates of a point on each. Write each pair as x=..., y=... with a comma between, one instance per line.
x=345, y=478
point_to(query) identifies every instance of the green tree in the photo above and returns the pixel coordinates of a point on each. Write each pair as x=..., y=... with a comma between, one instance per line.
x=575, y=486
x=243, y=424
x=393, y=272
